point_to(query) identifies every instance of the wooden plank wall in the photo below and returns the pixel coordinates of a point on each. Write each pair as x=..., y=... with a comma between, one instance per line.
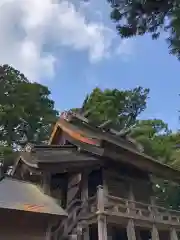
x=142, y=191
x=119, y=186
x=116, y=185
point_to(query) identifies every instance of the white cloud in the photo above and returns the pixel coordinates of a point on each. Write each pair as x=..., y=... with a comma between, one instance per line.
x=28, y=25
x=125, y=49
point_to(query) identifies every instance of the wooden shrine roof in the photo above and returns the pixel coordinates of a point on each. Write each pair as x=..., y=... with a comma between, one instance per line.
x=78, y=130
x=88, y=145
x=24, y=196
x=87, y=133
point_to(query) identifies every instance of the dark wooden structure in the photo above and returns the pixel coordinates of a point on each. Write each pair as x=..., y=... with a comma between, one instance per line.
x=103, y=181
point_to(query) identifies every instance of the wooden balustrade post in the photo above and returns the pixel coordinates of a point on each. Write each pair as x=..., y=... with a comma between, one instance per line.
x=131, y=234
x=102, y=220
x=154, y=233
x=173, y=234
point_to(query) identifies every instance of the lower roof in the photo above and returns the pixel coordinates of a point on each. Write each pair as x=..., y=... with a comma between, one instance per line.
x=24, y=196
x=60, y=158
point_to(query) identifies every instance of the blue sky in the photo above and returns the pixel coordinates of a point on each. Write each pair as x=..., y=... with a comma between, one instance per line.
x=73, y=47
x=148, y=65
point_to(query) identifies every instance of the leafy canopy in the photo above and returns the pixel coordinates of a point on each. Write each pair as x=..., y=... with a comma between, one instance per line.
x=122, y=107
x=26, y=111
x=137, y=17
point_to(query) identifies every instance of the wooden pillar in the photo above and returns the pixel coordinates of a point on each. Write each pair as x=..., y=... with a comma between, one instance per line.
x=131, y=234
x=84, y=198
x=46, y=181
x=173, y=234
x=154, y=233
x=102, y=220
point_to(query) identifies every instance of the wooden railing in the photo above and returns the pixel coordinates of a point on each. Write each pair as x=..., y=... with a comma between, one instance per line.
x=131, y=209
x=142, y=211
x=114, y=206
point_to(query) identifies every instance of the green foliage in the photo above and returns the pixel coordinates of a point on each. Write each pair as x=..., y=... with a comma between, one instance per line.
x=26, y=111
x=122, y=107
x=155, y=137
x=139, y=17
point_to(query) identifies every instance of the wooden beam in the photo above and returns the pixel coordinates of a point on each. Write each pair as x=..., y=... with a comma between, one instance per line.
x=131, y=234
x=173, y=234
x=154, y=233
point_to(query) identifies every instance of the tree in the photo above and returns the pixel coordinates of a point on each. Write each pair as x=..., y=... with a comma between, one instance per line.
x=26, y=111
x=121, y=107
x=154, y=135
x=137, y=17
